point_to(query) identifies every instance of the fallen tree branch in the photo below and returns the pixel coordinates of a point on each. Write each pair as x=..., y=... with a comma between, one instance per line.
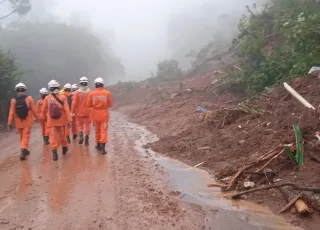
x=291, y=202
x=297, y=96
x=259, y=173
x=269, y=161
x=217, y=185
x=300, y=205
x=288, y=94
x=292, y=185
x=264, y=157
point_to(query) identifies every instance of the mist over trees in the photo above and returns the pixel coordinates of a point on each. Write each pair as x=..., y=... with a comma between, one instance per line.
x=57, y=51
x=201, y=30
x=20, y=7
x=37, y=48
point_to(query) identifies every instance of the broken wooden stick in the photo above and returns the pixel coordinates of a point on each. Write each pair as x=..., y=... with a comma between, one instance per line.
x=299, y=204
x=292, y=185
x=217, y=185
x=197, y=165
x=269, y=161
x=298, y=96
x=267, y=156
x=291, y=202
x=204, y=148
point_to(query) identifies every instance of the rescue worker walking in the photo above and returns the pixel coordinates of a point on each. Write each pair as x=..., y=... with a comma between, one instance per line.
x=43, y=120
x=22, y=111
x=81, y=111
x=67, y=92
x=56, y=109
x=74, y=88
x=100, y=101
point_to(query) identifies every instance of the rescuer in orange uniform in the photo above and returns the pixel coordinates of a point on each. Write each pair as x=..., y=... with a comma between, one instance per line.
x=22, y=111
x=67, y=92
x=42, y=120
x=99, y=100
x=81, y=111
x=74, y=88
x=56, y=109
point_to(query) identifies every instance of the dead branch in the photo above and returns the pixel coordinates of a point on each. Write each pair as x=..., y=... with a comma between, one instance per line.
x=292, y=185
x=300, y=205
x=265, y=157
x=288, y=94
x=217, y=185
x=269, y=161
x=291, y=202
x=259, y=173
x=271, y=151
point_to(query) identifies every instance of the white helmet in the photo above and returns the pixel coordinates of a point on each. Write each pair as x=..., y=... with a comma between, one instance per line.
x=67, y=86
x=43, y=91
x=99, y=80
x=53, y=84
x=83, y=80
x=74, y=87
x=20, y=86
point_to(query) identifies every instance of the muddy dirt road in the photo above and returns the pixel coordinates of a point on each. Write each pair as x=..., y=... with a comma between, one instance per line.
x=130, y=188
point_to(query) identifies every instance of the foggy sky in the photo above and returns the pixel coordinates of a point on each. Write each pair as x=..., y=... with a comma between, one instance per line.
x=136, y=29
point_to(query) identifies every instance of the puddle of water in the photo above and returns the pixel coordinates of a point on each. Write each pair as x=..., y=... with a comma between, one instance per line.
x=192, y=183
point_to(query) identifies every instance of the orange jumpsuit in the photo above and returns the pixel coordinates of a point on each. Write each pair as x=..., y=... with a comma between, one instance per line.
x=42, y=119
x=74, y=121
x=79, y=107
x=57, y=126
x=100, y=100
x=23, y=126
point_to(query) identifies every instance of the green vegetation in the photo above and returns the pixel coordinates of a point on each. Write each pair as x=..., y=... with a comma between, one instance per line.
x=168, y=70
x=9, y=76
x=298, y=157
x=279, y=42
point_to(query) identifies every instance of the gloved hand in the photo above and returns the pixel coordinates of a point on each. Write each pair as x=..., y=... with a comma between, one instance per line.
x=69, y=125
x=10, y=128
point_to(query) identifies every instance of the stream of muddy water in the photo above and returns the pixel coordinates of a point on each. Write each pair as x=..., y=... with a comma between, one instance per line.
x=192, y=182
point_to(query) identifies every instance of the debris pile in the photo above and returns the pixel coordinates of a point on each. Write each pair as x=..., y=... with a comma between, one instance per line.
x=248, y=146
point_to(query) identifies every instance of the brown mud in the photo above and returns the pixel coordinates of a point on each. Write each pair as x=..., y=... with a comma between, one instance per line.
x=127, y=189
x=231, y=136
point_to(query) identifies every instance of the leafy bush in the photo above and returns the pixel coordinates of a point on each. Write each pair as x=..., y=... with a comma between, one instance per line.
x=279, y=42
x=9, y=76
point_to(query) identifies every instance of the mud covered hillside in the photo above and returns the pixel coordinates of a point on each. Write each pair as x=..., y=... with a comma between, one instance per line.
x=235, y=132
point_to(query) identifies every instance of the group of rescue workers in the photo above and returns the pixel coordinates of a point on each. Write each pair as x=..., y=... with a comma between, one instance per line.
x=59, y=110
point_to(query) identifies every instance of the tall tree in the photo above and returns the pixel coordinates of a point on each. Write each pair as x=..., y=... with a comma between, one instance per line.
x=20, y=7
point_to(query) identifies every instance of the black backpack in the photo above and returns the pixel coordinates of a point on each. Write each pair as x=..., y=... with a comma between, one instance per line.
x=22, y=108
x=69, y=99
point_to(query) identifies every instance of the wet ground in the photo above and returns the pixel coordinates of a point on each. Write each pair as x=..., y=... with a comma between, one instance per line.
x=130, y=188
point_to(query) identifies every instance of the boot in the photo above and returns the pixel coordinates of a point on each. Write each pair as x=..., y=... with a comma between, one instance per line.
x=103, y=149
x=46, y=140
x=98, y=147
x=68, y=139
x=81, y=138
x=22, y=156
x=86, y=141
x=26, y=152
x=54, y=155
x=74, y=136
x=64, y=150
